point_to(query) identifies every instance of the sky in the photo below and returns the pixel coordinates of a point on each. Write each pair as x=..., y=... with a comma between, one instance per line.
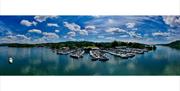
x=45, y=29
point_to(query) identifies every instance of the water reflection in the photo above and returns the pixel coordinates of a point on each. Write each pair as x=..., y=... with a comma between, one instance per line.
x=42, y=61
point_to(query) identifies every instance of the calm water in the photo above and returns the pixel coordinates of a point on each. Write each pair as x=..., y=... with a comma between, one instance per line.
x=42, y=61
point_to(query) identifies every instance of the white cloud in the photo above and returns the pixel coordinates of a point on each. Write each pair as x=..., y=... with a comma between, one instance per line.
x=35, y=31
x=57, y=31
x=111, y=21
x=83, y=32
x=52, y=25
x=172, y=21
x=15, y=39
x=39, y=40
x=90, y=28
x=76, y=28
x=72, y=34
x=69, y=38
x=110, y=38
x=72, y=26
x=124, y=36
x=40, y=18
x=101, y=36
x=28, y=23
x=34, y=23
x=134, y=34
x=165, y=34
x=47, y=38
x=22, y=37
x=114, y=30
x=43, y=18
x=50, y=35
x=130, y=25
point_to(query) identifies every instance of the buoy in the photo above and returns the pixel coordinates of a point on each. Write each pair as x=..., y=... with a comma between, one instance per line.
x=10, y=60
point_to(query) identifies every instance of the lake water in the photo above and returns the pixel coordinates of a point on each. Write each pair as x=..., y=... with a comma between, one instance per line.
x=42, y=61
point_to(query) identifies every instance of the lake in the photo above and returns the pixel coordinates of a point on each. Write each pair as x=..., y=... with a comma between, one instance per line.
x=42, y=61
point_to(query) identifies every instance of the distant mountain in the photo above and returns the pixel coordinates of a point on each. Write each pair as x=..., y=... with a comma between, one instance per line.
x=175, y=44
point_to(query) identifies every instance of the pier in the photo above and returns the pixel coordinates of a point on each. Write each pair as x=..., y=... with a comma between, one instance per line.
x=64, y=51
x=77, y=53
x=125, y=52
x=97, y=55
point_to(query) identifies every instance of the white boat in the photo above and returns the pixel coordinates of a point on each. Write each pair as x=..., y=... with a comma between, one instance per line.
x=10, y=60
x=94, y=56
x=77, y=54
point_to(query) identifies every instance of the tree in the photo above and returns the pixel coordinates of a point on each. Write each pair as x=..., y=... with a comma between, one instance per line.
x=114, y=44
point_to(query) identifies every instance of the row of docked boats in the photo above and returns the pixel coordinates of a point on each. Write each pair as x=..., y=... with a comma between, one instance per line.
x=125, y=52
x=77, y=54
x=63, y=51
x=97, y=55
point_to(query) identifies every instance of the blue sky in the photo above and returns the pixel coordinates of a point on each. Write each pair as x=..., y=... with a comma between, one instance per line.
x=43, y=29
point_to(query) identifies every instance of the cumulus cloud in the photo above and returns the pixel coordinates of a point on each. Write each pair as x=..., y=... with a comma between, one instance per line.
x=28, y=23
x=50, y=35
x=83, y=32
x=57, y=31
x=172, y=21
x=111, y=21
x=72, y=34
x=22, y=37
x=130, y=25
x=134, y=35
x=101, y=36
x=47, y=37
x=110, y=38
x=115, y=30
x=72, y=26
x=35, y=31
x=43, y=18
x=52, y=25
x=40, y=18
x=77, y=29
x=90, y=28
x=15, y=39
x=164, y=34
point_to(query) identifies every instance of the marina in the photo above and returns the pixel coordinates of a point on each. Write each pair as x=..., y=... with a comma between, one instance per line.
x=43, y=61
x=100, y=54
x=89, y=45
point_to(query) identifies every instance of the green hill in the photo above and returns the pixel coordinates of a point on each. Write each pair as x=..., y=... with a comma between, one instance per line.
x=175, y=44
x=82, y=44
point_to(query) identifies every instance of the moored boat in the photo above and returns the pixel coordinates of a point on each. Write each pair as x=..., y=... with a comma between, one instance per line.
x=94, y=57
x=77, y=54
x=97, y=55
x=10, y=60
